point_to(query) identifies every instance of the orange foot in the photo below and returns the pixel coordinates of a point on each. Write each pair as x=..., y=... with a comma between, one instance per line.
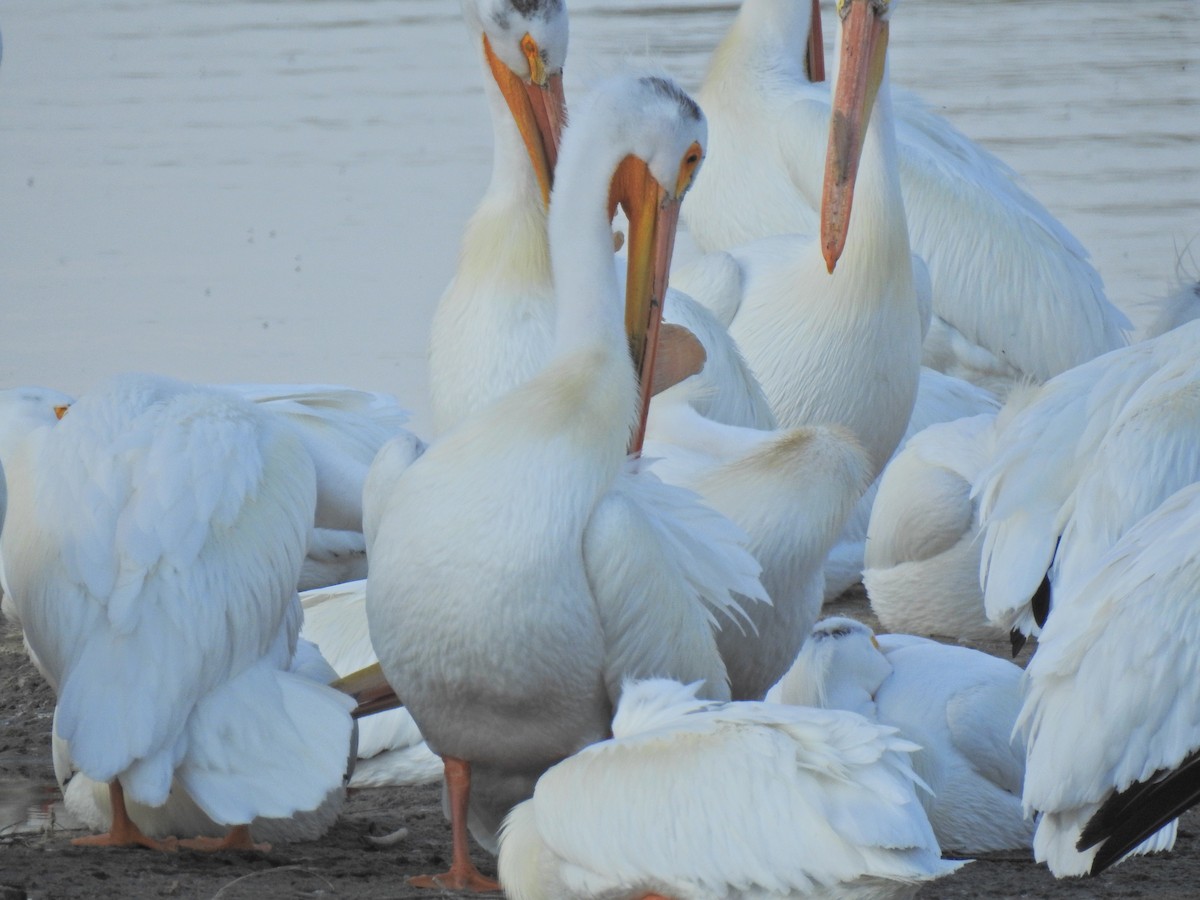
x=461, y=880
x=126, y=839
x=238, y=838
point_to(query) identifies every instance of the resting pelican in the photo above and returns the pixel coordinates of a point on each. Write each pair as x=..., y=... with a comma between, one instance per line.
x=957, y=704
x=493, y=327
x=1028, y=490
x=1110, y=706
x=840, y=345
x=152, y=550
x=707, y=801
x=922, y=544
x=1014, y=296
x=516, y=578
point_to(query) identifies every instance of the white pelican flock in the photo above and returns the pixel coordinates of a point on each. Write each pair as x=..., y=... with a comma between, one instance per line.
x=634, y=504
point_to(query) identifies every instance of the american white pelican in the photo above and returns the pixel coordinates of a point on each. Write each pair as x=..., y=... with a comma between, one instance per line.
x=1111, y=699
x=391, y=750
x=493, y=327
x=516, y=578
x=940, y=398
x=958, y=705
x=1027, y=493
x=709, y=801
x=152, y=548
x=839, y=345
x=1014, y=295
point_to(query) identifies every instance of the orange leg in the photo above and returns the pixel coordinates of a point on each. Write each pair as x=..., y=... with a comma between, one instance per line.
x=238, y=838
x=123, y=832
x=463, y=876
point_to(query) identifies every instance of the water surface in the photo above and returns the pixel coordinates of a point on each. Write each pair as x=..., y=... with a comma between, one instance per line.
x=273, y=190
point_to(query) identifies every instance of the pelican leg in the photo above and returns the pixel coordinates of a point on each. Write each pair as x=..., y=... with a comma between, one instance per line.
x=238, y=838
x=123, y=832
x=462, y=876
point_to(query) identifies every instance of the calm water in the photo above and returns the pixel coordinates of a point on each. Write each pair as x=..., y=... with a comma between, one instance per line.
x=272, y=190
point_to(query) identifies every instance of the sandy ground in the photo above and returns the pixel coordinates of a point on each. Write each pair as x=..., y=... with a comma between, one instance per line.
x=44, y=864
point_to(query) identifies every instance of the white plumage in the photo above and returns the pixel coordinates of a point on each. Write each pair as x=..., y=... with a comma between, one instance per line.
x=791, y=491
x=88, y=801
x=958, y=705
x=1111, y=698
x=922, y=548
x=710, y=801
x=1014, y=295
x=22, y=410
x=391, y=750
x=154, y=540
x=1028, y=492
x=516, y=577
x=940, y=398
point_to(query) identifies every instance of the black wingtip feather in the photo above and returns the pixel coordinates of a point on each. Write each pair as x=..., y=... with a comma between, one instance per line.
x=1017, y=639
x=1130, y=816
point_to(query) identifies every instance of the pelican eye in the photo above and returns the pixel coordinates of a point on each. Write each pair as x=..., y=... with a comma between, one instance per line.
x=533, y=54
x=687, y=168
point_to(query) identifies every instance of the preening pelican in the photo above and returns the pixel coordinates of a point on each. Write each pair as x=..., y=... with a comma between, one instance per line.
x=706, y=801
x=516, y=578
x=493, y=327
x=958, y=705
x=152, y=549
x=1111, y=700
x=1028, y=491
x=840, y=345
x=1014, y=296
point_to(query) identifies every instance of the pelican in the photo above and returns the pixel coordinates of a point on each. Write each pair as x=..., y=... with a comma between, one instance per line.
x=922, y=544
x=708, y=801
x=1028, y=490
x=1014, y=295
x=493, y=327
x=959, y=705
x=840, y=345
x=516, y=578
x=1111, y=699
x=152, y=550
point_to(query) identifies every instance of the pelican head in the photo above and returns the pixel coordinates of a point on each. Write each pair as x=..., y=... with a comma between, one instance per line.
x=524, y=43
x=665, y=133
x=864, y=36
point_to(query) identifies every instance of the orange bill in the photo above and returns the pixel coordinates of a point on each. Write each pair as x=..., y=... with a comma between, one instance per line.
x=864, y=45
